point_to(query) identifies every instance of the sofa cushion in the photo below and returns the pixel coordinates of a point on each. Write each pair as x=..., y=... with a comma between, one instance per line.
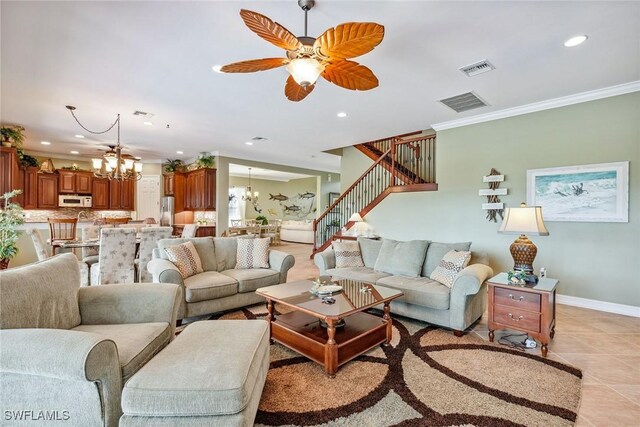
x=297, y=225
x=41, y=295
x=405, y=258
x=437, y=251
x=251, y=279
x=186, y=258
x=181, y=382
x=369, y=248
x=203, y=245
x=209, y=285
x=347, y=254
x=364, y=274
x=137, y=342
x=451, y=264
x=253, y=253
x=419, y=290
x=226, y=249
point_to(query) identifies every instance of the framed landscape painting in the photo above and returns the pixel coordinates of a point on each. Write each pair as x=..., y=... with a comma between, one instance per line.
x=590, y=193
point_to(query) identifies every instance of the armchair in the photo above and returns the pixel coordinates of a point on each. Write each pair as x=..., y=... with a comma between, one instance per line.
x=69, y=350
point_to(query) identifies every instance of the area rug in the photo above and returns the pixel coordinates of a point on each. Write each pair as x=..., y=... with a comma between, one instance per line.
x=427, y=377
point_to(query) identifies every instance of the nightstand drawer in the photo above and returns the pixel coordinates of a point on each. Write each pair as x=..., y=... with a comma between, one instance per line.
x=519, y=319
x=517, y=299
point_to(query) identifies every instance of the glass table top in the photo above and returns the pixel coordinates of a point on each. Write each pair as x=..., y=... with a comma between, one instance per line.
x=544, y=283
x=355, y=296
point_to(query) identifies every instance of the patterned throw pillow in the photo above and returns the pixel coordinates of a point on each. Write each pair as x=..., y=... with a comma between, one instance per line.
x=451, y=264
x=253, y=253
x=347, y=254
x=186, y=258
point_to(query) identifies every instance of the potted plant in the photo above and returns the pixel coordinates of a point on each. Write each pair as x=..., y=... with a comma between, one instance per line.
x=27, y=161
x=262, y=220
x=173, y=165
x=205, y=161
x=10, y=218
x=12, y=136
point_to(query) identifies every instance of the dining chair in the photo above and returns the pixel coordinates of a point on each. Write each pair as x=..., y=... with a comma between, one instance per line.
x=61, y=230
x=88, y=233
x=189, y=231
x=148, y=242
x=116, y=258
x=250, y=222
x=236, y=223
x=117, y=221
x=40, y=244
x=269, y=231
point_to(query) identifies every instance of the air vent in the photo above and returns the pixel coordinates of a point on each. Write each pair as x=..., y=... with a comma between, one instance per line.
x=477, y=68
x=142, y=113
x=258, y=138
x=465, y=102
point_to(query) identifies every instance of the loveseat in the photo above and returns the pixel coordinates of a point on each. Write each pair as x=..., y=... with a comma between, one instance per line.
x=66, y=350
x=407, y=266
x=221, y=286
x=297, y=231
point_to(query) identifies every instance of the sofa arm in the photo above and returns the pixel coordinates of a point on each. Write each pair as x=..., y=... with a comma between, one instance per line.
x=282, y=262
x=470, y=279
x=129, y=303
x=65, y=354
x=325, y=260
x=164, y=271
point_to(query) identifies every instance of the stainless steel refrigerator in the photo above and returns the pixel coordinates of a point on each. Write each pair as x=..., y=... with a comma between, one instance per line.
x=167, y=210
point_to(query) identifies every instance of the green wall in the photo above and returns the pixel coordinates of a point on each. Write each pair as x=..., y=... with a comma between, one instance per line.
x=592, y=260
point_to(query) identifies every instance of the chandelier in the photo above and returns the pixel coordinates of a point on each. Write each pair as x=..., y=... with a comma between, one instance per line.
x=113, y=165
x=250, y=196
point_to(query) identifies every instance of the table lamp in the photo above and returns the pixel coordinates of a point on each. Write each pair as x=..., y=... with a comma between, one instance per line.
x=524, y=220
x=359, y=226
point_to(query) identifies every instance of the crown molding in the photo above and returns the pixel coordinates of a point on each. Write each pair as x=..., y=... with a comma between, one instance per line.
x=578, y=98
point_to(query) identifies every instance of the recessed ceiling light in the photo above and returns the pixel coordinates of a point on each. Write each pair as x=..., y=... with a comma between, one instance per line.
x=575, y=41
x=45, y=143
x=249, y=142
x=79, y=136
x=217, y=68
x=342, y=114
x=74, y=152
x=179, y=152
x=147, y=123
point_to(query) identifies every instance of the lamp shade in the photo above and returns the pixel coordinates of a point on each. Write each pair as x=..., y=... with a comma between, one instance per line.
x=523, y=220
x=305, y=71
x=356, y=217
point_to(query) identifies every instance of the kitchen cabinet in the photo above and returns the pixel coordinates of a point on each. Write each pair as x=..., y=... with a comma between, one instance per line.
x=202, y=231
x=174, y=185
x=74, y=182
x=30, y=188
x=200, y=194
x=100, y=194
x=10, y=177
x=47, y=190
x=121, y=195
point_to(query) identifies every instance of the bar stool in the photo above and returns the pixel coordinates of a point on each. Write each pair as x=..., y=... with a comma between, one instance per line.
x=61, y=230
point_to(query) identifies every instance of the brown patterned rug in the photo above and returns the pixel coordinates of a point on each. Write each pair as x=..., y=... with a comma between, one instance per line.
x=427, y=377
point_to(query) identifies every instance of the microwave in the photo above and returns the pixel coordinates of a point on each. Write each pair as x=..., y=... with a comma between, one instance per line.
x=70, y=201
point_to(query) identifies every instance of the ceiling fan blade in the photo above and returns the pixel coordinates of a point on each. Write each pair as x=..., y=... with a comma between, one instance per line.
x=294, y=92
x=350, y=75
x=350, y=39
x=254, y=65
x=270, y=31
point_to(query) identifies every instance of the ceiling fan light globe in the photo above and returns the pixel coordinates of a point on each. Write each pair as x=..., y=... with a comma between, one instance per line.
x=138, y=167
x=108, y=167
x=113, y=162
x=305, y=71
x=97, y=163
x=128, y=164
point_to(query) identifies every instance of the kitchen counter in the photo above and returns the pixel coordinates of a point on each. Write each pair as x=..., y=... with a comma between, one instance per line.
x=208, y=230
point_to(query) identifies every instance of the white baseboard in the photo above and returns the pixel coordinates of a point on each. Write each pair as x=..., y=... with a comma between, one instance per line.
x=609, y=307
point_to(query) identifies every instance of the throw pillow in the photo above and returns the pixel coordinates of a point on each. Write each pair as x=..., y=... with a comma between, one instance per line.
x=401, y=258
x=186, y=258
x=253, y=253
x=451, y=264
x=347, y=254
x=437, y=251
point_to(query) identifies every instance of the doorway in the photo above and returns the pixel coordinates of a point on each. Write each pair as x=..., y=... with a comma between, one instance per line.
x=148, y=197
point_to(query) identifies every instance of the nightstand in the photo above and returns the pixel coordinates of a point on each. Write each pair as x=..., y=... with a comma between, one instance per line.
x=530, y=309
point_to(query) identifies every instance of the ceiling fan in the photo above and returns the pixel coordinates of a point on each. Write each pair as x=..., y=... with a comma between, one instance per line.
x=308, y=57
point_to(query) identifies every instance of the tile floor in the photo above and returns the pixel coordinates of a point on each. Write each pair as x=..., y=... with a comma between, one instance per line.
x=605, y=346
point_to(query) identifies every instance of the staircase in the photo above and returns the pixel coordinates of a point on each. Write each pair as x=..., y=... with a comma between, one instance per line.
x=402, y=163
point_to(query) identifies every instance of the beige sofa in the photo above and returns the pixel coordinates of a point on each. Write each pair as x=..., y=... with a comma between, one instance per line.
x=221, y=286
x=424, y=299
x=70, y=349
x=297, y=231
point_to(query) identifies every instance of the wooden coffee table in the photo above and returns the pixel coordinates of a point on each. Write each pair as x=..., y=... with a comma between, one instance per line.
x=338, y=342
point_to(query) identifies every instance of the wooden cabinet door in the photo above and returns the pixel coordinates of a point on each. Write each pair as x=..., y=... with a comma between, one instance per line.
x=209, y=190
x=9, y=171
x=30, y=188
x=83, y=182
x=67, y=182
x=115, y=195
x=47, y=191
x=198, y=189
x=169, y=181
x=100, y=194
x=189, y=191
x=128, y=195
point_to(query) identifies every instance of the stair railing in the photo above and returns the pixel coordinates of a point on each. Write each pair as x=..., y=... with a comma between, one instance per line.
x=416, y=155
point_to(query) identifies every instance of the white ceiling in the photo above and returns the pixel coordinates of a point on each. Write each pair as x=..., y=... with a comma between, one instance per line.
x=117, y=57
x=260, y=173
